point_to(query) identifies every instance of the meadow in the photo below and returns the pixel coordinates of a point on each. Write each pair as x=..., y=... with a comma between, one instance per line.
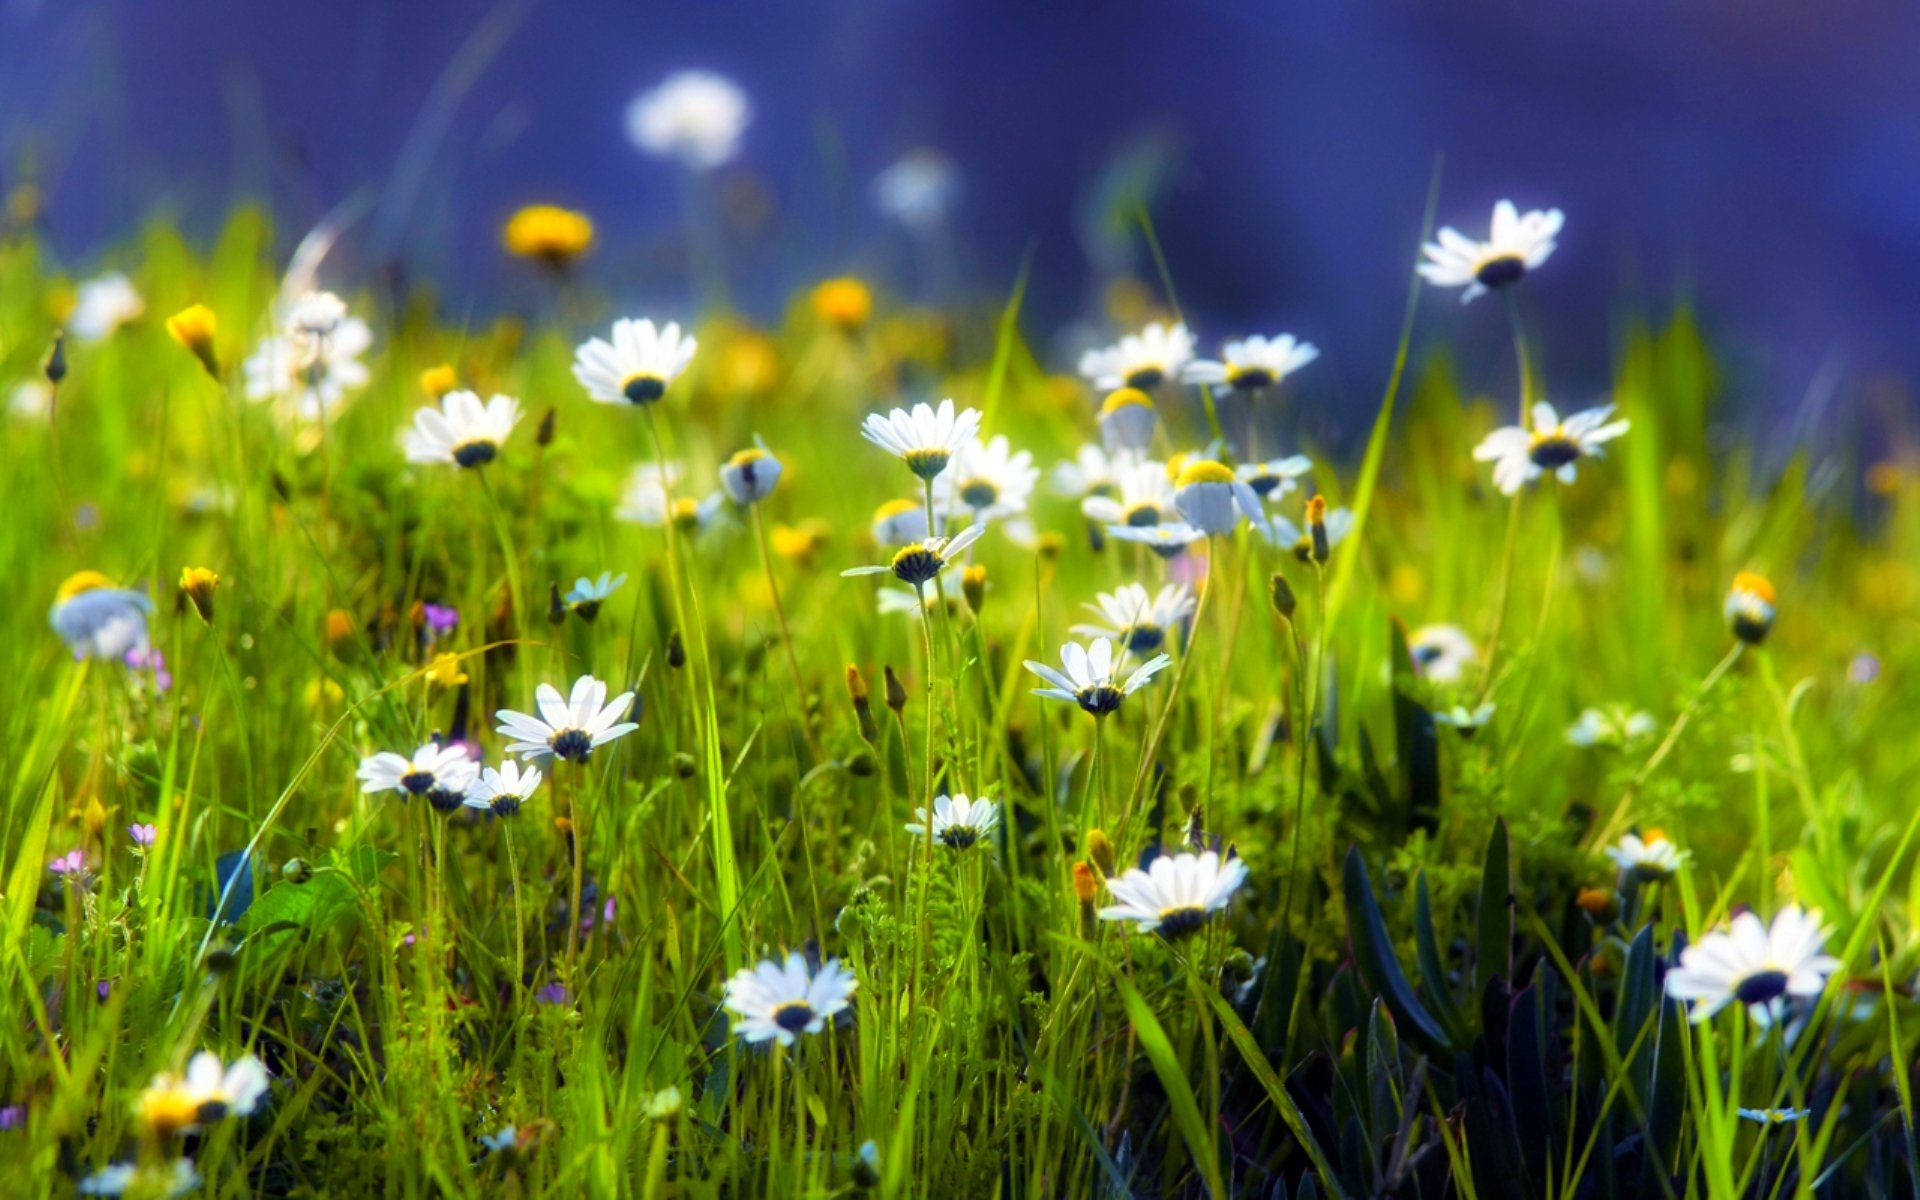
x=1511, y=814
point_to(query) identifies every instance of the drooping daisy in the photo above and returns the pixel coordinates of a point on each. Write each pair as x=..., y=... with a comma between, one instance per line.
x=958, y=823
x=921, y=562
x=97, y=619
x=1140, y=623
x=926, y=439
x=1439, y=652
x=1141, y=360
x=442, y=772
x=1276, y=477
x=1756, y=965
x=1145, y=498
x=781, y=1000
x=1090, y=472
x=1749, y=607
x=645, y=502
x=1089, y=679
x=1127, y=420
x=1252, y=365
x=696, y=117
x=1615, y=725
x=1467, y=720
x=1176, y=894
x=103, y=305
x=1168, y=540
x=587, y=595
x=462, y=430
x=750, y=475
x=1775, y=1116
x=899, y=522
x=990, y=480
x=503, y=791
x=1520, y=456
x=206, y=1093
x=175, y=1178
x=1515, y=245
x=1212, y=500
x=1649, y=859
x=918, y=189
x=569, y=728
x=637, y=365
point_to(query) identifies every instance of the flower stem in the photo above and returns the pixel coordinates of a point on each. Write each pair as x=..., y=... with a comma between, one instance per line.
x=1152, y=743
x=786, y=634
x=1667, y=743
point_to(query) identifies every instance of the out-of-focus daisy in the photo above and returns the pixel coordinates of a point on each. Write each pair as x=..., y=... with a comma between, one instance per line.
x=1648, y=859
x=462, y=430
x=1090, y=472
x=645, y=502
x=990, y=480
x=503, y=791
x=570, y=727
x=1128, y=419
x=782, y=1000
x=1212, y=500
x=1614, y=725
x=958, y=823
x=750, y=475
x=1252, y=365
x=921, y=562
x=900, y=522
x=1775, y=1116
x=696, y=117
x=310, y=367
x=97, y=619
x=206, y=1093
x=103, y=305
x=1276, y=477
x=442, y=772
x=30, y=400
x=1467, y=720
x=1749, y=607
x=1167, y=540
x=1756, y=965
x=637, y=365
x=918, y=190
x=1515, y=244
x=1520, y=456
x=926, y=439
x=506, y=1138
x=587, y=595
x=1176, y=894
x=1140, y=623
x=175, y=1178
x=1141, y=360
x=1145, y=498
x=553, y=237
x=1440, y=652
x=906, y=601
x=1089, y=678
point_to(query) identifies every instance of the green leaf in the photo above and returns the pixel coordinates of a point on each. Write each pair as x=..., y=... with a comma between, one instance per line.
x=1495, y=957
x=1180, y=1097
x=1276, y=1091
x=1427, y=954
x=1373, y=955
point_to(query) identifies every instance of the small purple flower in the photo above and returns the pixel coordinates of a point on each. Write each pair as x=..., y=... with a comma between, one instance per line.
x=13, y=1116
x=142, y=835
x=154, y=663
x=103, y=989
x=438, y=621
x=73, y=862
x=607, y=911
x=553, y=993
x=1864, y=669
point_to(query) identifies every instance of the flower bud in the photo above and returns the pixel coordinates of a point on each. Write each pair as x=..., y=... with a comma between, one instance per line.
x=896, y=692
x=57, y=360
x=556, y=608
x=1749, y=607
x=543, y=437
x=973, y=585
x=438, y=381
x=1281, y=593
x=1317, y=528
x=194, y=327
x=1100, y=852
x=1601, y=904
x=862, y=707
x=676, y=650
x=198, y=584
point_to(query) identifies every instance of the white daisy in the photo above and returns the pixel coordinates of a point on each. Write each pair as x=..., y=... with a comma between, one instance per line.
x=637, y=365
x=646, y=502
x=898, y=522
x=696, y=117
x=925, y=439
x=103, y=305
x=502, y=792
x=98, y=620
x=781, y=1000
x=1127, y=420
x=989, y=480
x=1520, y=456
x=442, y=772
x=1756, y=965
x=1749, y=607
x=1212, y=500
x=918, y=189
x=958, y=823
x=750, y=475
x=1276, y=477
x=570, y=728
x=1176, y=893
x=206, y=1093
x=1647, y=859
x=1254, y=364
x=1775, y=1116
x=1091, y=472
x=462, y=430
x=1141, y=360
x=921, y=562
x=1440, y=652
x=309, y=374
x=1615, y=725
x=1515, y=245
x=587, y=595
x=176, y=1178
x=1090, y=679
x=1145, y=497
x=30, y=400
x=316, y=315
x=1467, y=720
x=1140, y=623
x=1167, y=540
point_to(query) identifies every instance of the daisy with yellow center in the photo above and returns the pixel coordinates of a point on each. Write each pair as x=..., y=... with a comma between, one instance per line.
x=1127, y=420
x=1253, y=365
x=1515, y=245
x=463, y=430
x=1521, y=456
x=1141, y=360
x=1212, y=499
x=206, y=1093
x=1749, y=607
x=636, y=366
x=920, y=563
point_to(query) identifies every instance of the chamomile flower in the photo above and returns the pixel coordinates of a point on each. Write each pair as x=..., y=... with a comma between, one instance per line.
x=206, y=1093
x=103, y=305
x=989, y=480
x=1090, y=679
x=637, y=365
x=97, y=619
x=899, y=522
x=1756, y=965
x=462, y=430
x=503, y=791
x=926, y=439
x=175, y=1178
x=696, y=117
x=1749, y=607
x=1145, y=497
x=308, y=369
x=1091, y=472
x=1520, y=456
x=646, y=502
x=587, y=595
x=1168, y=540
x=782, y=1000
x=1141, y=360
x=1647, y=859
x=570, y=727
x=1140, y=623
x=1615, y=725
x=1467, y=720
x=442, y=772
x=1439, y=652
x=958, y=823
x=750, y=475
x=1176, y=894
x=1212, y=500
x=1252, y=365
x=1127, y=420
x=921, y=562
x=1775, y=1116
x=1276, y=477
x=1515, y=245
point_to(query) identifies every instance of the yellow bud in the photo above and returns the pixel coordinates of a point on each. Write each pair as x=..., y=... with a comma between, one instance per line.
x=194, y=327
x=198, y=584
x=973, y=585
x=438, y=381
x=1101, y=853
x=844, y=302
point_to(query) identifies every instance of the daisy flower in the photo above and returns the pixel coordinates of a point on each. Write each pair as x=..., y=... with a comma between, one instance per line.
x=1515, y=245
x=308, y=370
x=1127, y=420
x=1520, y=456
x=502, y=792
x=646, y=502
x=925, y=439
x=637, y=365
x=462, y=430
x=176, y=1178
x=587, y=595
x=1138, y=622
x=988, y=479
x=97, y=619
x=1090, y=680
x=898, y=522
x=921, y=562
x=1749, y=607
x=958, y=823
x=1614, y=725
x=571, y=727
x=696, y=117
x=1274, y=478
x=1145, y=497
x=1176, y=894
x=205, y=1094
x=1212, y=500
x=1091, y=472
x=1440, y=652
x=440, y=772
x=1775, y=1116
x=1168, y=540
x=1141, y=360
x=1648, y=859
x=1252, y=365
x=918, y=189
x=1756, y=965
x=103, y=305
x=1467, y=720
x=781, y=1000
x=750, y=475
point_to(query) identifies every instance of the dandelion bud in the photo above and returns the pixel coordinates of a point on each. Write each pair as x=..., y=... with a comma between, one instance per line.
x=1085, y=888
x=1601, y=904
x=862, y=707
x=194, y=327
x=1317, y=528
x=896, y=692
x=1749, y=607
x=438, y=381
x=57, y=361
x=198, y=583
x=676, y=650
x=543, y=436
x=973, y=585
x=556, y=608
x=1281, y=593
x=1100, y=852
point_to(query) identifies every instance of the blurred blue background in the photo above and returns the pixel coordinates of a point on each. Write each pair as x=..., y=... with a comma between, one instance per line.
x=1762, y=158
